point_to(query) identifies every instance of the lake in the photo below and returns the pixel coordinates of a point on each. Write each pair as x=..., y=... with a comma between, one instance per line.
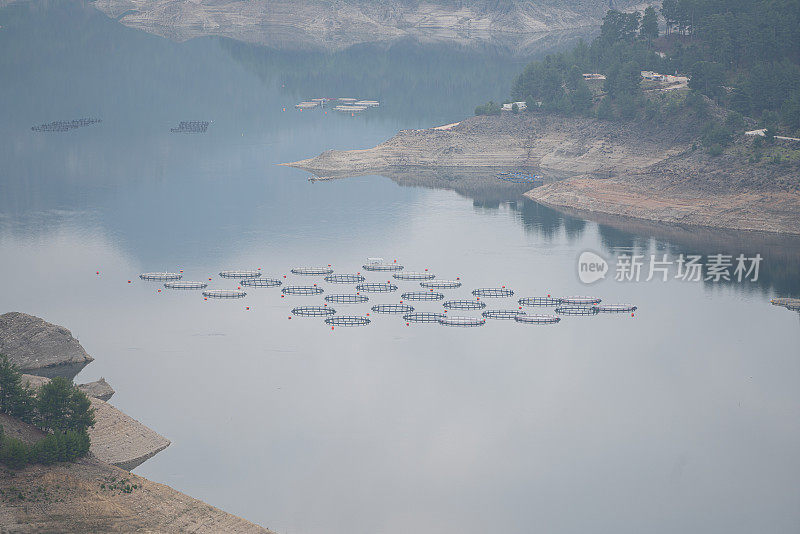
x=682, y=417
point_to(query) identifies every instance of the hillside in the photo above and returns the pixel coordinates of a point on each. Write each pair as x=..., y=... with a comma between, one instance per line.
x=335, y=24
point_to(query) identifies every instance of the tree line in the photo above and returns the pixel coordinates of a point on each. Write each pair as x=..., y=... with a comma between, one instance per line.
x=59, y=408
x=743, y=55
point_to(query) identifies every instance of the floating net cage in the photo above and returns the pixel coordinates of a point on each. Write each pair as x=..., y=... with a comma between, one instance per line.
x=347, y=320
x=539, y=301
x=312, y=271
x=441, y=284
x=410, y=275
x=347, y=298
x=423, y=317
x=313, y=311
x=185, y=285
x=240, y=274
x=464, y=304
x=792, y=307
x=224, y=294
x=344, y=278
x=616, y=308
x=383, y=267
x=260, y=282
x=190, y=127
x=160, y=277
x=392, y=308
x=64, y=126
x=302, y=290
x=492, y=292
x=581, y=301
x=377, y=287
x=537, y=318
x=422, y=295
x=462, y=321
x=786, y=302
x=519, y=177
x=576, y=310
x=502, y=314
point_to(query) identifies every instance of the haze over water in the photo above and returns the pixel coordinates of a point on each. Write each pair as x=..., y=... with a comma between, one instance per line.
x=682, y=418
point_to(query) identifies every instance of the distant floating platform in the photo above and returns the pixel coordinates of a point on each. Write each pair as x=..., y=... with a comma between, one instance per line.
x=576, y=310
x=410, y=275
x=190, y=127
x=260, y=282
x=302, y=290
x=312, y=271
x=537, y=318
x=616, y=308
x=344, y=278
x=160, y=277
x=422, y=295
x=453, y=320
x=347, y=320
x=378, y=267
x=492, y=292
x=313, y=311
x=65, y=126
x=423, y=317
x=502, y=314
x=539, y=301
x=392, y=308
x=518, y=177
x=377, y=287
x=224, y=294
x=581, y=301
x=348, y=298
x=441, y=284
x=464, y=304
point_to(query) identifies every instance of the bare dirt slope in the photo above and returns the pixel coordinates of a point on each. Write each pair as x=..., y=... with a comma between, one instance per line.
x=92, y=496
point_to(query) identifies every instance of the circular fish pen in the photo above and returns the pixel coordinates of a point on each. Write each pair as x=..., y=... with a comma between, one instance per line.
x=616, y=308
x=576, y=310
x=313, y=311
x=392, y=308
x=160, y=277
x=792, y=307
x=224, y=294
x=301, y=290
x=441, y=284
x=261, y=282
x=382, y=267
x=423, y=317
x=347, y=320
x=581, y=301
x=422, y=295
x=502, y=314
x=240, y=274
x=492, y=292
x=410, y=275
x=377, y=288
x=185, y=285
x=464, y=304
x=539, y=301
x=312, y=271
x=344, y=278
x=462, y=321
x=347, y=298
x=537, y=318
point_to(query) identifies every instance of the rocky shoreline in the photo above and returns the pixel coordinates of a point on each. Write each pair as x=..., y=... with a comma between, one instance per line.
x=648, y=171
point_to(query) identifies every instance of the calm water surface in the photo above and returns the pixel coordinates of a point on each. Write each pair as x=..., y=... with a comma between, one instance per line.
x=680, y=419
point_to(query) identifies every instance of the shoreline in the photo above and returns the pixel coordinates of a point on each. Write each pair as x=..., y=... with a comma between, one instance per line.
x=644, y=171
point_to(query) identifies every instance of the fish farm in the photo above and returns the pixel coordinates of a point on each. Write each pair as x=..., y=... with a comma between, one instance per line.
x=185, y=285
x=224, y=294
x=160, y=277
x=537, y=319
x=312, y=271
x=502, y=314
x=302, y=290
x=313, y=311
x=410, y=275
x=65, y=126
x=260, y=282
x=576, y=310
x=347, y=298
x=190, y=127
x=441, y=284
x=422, y=295
x=581, y=301
x=382, y=267
x=347, y=320
x=464, y=304
x=539, y=301
x=423, y=317
x=492, y=292
x=377, y=288
x=240, y=274
x=344, y=278
x=615, y=308
x=392, y=308
x=461, y=321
